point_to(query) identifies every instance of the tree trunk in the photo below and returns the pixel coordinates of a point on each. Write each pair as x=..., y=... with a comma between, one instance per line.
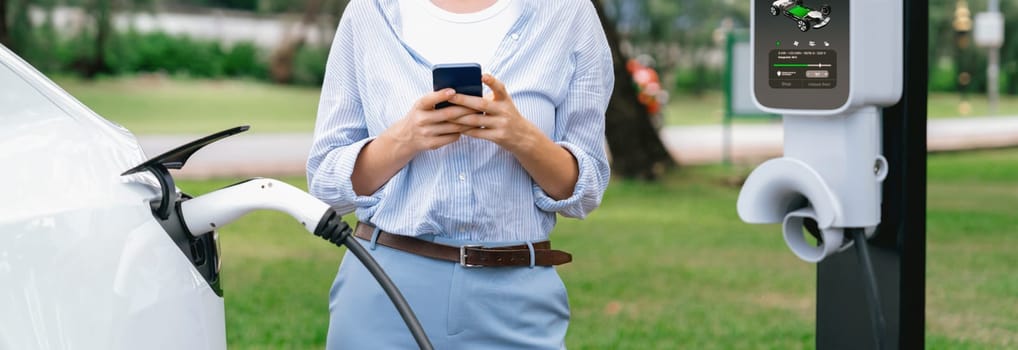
x=5, y=40
x=636, y=148
x=281, y=66
x=102, y=13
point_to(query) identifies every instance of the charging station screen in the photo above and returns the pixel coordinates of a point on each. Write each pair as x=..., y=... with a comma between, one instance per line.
x=801, y=53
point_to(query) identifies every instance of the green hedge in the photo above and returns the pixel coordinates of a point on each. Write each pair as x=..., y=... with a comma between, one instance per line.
x=698, y=79
x=133, y=52
x=309, y=65
x=944, y=76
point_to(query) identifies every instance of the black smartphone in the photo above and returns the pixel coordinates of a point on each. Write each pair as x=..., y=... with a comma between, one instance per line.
x=465, y=78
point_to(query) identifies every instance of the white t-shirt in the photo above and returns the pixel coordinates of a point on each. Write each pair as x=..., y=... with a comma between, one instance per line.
x=446, y=37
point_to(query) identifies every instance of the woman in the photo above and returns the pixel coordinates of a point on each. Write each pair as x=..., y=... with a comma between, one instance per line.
x=490, y=171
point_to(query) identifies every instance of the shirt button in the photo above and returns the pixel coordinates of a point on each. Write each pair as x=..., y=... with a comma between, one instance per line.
x=515, y=36
x=463, y=229
x=463, y=177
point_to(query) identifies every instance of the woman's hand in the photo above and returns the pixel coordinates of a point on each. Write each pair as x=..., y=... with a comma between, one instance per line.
x=426, y=128
x=552, y=167
x=423, y=128
x=500, y=122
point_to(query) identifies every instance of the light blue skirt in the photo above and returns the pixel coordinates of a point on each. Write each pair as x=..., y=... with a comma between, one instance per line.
x=459, y=307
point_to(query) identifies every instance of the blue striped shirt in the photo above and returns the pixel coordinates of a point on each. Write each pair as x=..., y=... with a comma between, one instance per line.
x=557, y=66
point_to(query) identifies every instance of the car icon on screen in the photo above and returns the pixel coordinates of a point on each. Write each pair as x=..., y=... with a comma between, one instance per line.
x=804, y=17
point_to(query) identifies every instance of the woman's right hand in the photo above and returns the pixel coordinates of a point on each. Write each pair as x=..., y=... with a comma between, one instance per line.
x=423, y=128
x=426, y=128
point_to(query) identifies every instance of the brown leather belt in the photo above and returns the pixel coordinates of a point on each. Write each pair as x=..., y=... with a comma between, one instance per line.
x=470, y=255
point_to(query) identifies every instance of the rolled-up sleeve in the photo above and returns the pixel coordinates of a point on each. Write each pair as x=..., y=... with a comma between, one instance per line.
x=579, y=121
x=340, y=128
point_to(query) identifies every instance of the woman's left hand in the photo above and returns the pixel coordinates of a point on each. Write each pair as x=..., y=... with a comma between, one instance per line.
x=500, y=122
x=551, y=166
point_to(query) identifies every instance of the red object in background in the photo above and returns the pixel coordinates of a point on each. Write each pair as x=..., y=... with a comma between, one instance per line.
x=652, y=88
x=632, y=65
x=648, y=85
x=643, y=76
x=653, y=108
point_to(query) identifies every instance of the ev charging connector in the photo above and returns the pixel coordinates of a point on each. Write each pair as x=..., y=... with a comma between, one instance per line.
x=218, y=208
x=198, y=218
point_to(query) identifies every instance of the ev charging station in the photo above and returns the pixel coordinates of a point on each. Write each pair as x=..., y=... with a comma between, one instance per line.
x=135, y=260
x=853, y=170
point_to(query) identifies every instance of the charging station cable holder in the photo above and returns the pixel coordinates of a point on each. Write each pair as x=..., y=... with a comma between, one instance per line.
x=831, y=173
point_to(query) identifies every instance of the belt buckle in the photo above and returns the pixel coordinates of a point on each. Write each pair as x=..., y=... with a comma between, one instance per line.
x=463, y=255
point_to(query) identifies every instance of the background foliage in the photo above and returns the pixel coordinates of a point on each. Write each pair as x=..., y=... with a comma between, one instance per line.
x=682, y=38
x=132, y=52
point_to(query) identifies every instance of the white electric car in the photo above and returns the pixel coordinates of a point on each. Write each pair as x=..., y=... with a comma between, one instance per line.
x=98, y=248
x=83, y=262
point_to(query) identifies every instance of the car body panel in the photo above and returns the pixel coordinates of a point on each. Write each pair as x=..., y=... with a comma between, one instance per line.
x=83, y=263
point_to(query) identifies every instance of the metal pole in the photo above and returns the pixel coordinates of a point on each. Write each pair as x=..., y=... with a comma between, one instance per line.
x=898, y=249
x=726, y=122
x=993, y=78
x=993, y=66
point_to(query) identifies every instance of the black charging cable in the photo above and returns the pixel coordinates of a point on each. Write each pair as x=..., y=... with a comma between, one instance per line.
x=332, y=228
x=870, y=281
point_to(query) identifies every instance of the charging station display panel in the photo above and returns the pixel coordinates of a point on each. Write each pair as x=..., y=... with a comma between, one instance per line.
x=801, y=53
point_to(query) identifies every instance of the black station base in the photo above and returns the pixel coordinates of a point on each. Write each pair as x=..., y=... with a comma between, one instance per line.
x=898, y=250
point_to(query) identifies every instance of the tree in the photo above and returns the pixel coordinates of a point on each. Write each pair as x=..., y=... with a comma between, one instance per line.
x=15, y=25
x=636, y=148
x=101, y=12
x=281, y=62
x=5, y=40
x=281, y=65
x=680, y=36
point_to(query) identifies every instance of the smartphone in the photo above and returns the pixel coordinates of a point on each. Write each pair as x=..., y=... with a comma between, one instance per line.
x=465, y=78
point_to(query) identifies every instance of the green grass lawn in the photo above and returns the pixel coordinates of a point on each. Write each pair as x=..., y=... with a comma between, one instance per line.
x=943, y=105
x=151, y=104
x=669, y=266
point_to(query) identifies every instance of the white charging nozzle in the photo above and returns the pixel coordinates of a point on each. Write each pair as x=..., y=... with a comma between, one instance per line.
x=213, y=210
x=221, y=207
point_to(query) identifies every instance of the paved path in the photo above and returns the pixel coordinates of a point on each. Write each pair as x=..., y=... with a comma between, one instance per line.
x=246, y=154
x=753, y=142
x=254, y=154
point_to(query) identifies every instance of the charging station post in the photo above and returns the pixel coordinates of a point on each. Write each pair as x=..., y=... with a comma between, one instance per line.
x=899, y=246
x=852, y=93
